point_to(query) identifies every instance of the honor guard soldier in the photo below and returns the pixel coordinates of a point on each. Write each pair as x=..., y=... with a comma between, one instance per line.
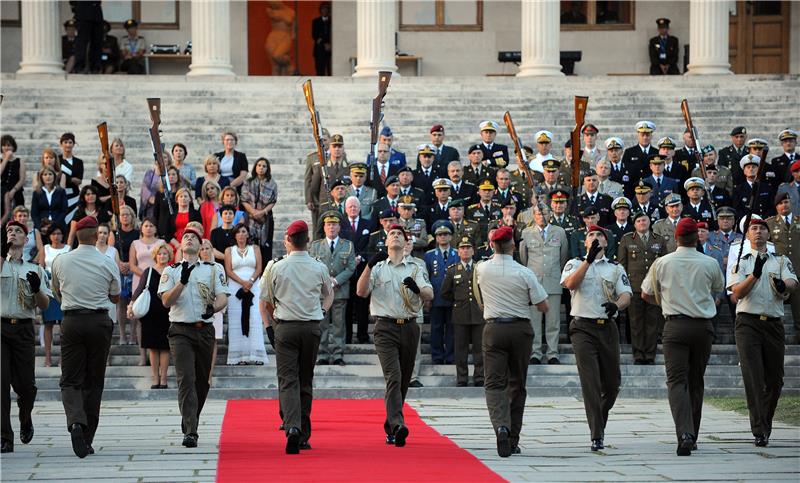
x=22, y=290
x=415, y=382
x=723, y=179
x=461, y=226
x=477, y=168
x=192, y=291
x=339, y=256
x=495, y=153
x=414, y=226
x=635, y=157
x=365, y=194
x=643, y=191
x=559, y=200
x=297, y=291
x=441, y=200
x=437, y=260
x=398, y=287
x=377, y=239
x=589, y=216
x=666, y=227
x=683, y=283
x=761, y=285
x=506, y=290
x=742, y=192
x=85, y=331
x=545, y=249
x=467, y=316
x=485, y=210
x=784, y=230
x=636, y=252
x=697, y=206
x=663, y=51
x=729, y=156
x=600, y=289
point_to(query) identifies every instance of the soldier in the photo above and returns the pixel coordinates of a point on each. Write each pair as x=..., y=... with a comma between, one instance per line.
x=509, y=211
x=785, y=234
x=606, y=185
x=485, y=210
x=505, y=191
x=525, y=218
x=672, y=168
x=338, y=197
x=133, y=49
x=193, y=292
x=399, y=288
x=565, y=174
x=85, y=331
x=415, y=381
x=717, y=196
x=729, y=156
x=22, y=290
x=495, y=153
x=599, y=288
x=297, y=291
x=643, y=192
x=478, y=168
x=591, y=197
x=782, y=163
x=506, y=290
x=439, y=208
x=635, y=157
x=591, y=153
x=365, y=194
x=315, y=192
x=589, y=216
x=793, y=188
x=544, y=142
x=377, y=239
x=396, y=158
x=636, y=252
x=458, y=188
x=414, y=226
x=559, y=199
x=550, y=179
x=391, y=195
x=621, y=172
x=425, y=174
x=436, y=261
x=485, y=251
x=761, y=285
x=663, y=51
x=682, y=283
x=444, y=153
x=697, y=206
x=545, y=249
x=622, y=213
x=666, y=227
x=773, y=175
x=461, y=226
x=338, y=255
x=724, y=178
x=467, y=319
x=663, y=186
x=725, y=235
x=688, y=155
x=742, y=192
x=406, y=178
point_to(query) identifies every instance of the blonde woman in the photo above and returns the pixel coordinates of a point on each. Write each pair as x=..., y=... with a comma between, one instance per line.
x=211, y=168
x=50, y=158
x=209, y=207
x=121, y=166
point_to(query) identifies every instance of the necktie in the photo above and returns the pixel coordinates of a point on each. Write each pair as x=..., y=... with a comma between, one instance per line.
x=726, y=236
x=358, y=192
x=469, y=267
x=675, y=223
x=444, y=255
x=658, y=183
x=591, y=198
x=427, y=173
x=439, y=151
x=544, y=233
x=392, y=202
x=333, y=245
x=383, y=174
x=353, y=225
x=787, y=220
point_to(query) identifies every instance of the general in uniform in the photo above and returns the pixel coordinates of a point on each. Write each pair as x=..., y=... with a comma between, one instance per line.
x=599, y=288
x=761, y=285
x=683, y=284
x=22, y=290
x=437, y=260
x=665, y=227
x=506, y=290
x=297, y=290
x=85, y=331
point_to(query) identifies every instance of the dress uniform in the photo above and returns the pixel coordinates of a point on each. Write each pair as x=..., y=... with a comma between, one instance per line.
x=784, y=230
x=724, y=239
x=315, y=191
x=338, y=255
x=85, y=331
x=729, y=156
x=773, y=175
x=419, y=196
x=663, y=50
x=635, y=157
x=501, y=196
x=761, y=285
x=568, y=222
x=666, y=226
x=683, y=283
x=742, y=193
x=623, y=172
x=132, y=47
x=464, y=227
x=792, y=189
x=414, y=226
x=366, y=195
x=495, y=153
x=599, y=288
x=483, y=213
x=699, y=209
x=576, y=240
x=724, y=176
x=545, y=250
x=717, y=195
x=506, y=291
x=782, y=163
x=193, y=292
x=643, y=203
x=437, y=261
x=467, y=316
x=23, y=288
x=438, y=210
x=298, y=289
x=636, y=252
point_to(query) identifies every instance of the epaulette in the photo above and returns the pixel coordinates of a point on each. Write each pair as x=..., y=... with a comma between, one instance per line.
x=474, y=205
x=432, y=250
x=209, y=263
x=375, y=232
x=613, y=262
x=747, y=255
x=581, y=258
x=175, y=265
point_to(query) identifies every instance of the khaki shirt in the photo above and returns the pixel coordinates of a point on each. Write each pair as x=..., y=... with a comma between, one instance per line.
x=84, y=278
x=763, y=299
x=683, y=283
x=385, y=284
x=604, y=282
x=546, y=257
x=296, y=285
x=507, y=288
x=206, y=280
x=16, y=299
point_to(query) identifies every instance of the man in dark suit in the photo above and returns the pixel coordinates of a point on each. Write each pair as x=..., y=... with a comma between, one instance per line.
x=729, y=156
x=357, y=231
x=782, y=163
x=591, y=197
x=392, y=197
x=321, y=33
x=663, y=186
x=442, y=154
x=635, y=157
x=381, y=170
x=663, y=51
x=458, y=187
x=496, y=153
x=426, y=172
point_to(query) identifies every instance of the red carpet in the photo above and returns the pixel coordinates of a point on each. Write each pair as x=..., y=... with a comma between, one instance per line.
x=348, y=445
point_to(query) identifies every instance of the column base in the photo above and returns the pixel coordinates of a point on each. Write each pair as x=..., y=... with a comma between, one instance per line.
x=41, y=67
x=540, y=70
x=210, y=70
x=709, y=69
x=372, y=70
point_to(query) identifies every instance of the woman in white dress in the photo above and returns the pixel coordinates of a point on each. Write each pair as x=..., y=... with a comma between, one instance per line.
x=53, y=314
x=245, y=330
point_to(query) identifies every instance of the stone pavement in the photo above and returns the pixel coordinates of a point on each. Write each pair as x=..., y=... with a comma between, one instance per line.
x=139, y=441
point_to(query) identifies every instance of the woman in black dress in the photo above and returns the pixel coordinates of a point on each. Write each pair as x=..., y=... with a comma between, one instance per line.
x=12, y=176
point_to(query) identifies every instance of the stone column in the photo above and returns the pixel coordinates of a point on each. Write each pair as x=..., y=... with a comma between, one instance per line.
x=41, y=38
x=211, y=42
x=708, y=37
x=541, y=27
x=376, y=25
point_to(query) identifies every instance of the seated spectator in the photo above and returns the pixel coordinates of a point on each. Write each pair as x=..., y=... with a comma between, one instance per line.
x=222, y=236
x=233, y=164
x=50, y=158
x=184, y=213
x=259, y=195
x=49, y=201
x=133, y=49
x=211, y=168
x=109, y=51
x=209, y=207
x=187, y=171
x=13, y=176
x=121, y=166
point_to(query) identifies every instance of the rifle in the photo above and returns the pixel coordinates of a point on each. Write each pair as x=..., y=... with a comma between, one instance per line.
x=751, y=204
x=687, y=118
x=317, y=132
x=377, y=117
x=575, y=137
x=102, y=133
x=154, y=106
x=522, y=159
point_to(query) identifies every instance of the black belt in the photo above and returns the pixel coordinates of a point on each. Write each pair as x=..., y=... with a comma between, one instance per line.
x=194, y=325
x=7, y=320
x=396, y=321
x=682, y=316
x=85, y=311
x=765, y=318
x=506, y=320
x=296, y=321
x=593, y=321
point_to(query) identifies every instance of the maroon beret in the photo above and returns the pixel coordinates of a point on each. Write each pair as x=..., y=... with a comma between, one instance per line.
x=295, y=227
x=795, y=166
x=702, y=224
x=597, y=228
x=194, y=231
x=16, y=223
x=398, y=227
x=504, y=233
x=686, y=226
x=86, y=222
x=758, y=221
x=437, y=128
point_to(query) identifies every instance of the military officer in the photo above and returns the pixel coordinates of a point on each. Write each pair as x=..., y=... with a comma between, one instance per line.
x=297, y=291
x=565, y=174
x=591, y=152
x=22, y=290
x=444, y=153
x=338, y=255
x=793, y=188
x=683, y=283
x=622, y=223
x=784, y=230
x=509, y=210
x=666, y=226
x=193, y=292
x=636, y=252
x=315, y=192
x=377, y=239
x=545, y=249
x=505, y=191
x=599, y=288
x=396, y=157
x=477, y=168
x=635, y=157
x=725, y=235
x=689, y=155
x=366, y=195
x=782, y=163
x=643, y=192
x=550, y=179
x=662, y=185
x=724, y=178
x=506, y=290
x=414, y=226
x=495, y=153
x=773, y=175
x=398, y=287
x=672, y=167
x=467, y=316
x=338, y=197
x=607, y=186
x=622, y=172
x=742, y=192
x=663, y=51
x=559, y=200
x=762, y=284
x=697, y=206
x=437, y=260
x=544, y=142
x=591, y=197
x=426, y=172
x=485, y=210
x=718, y=197
x=519, y=182
x=525, y=218
x=461, y=226
x=85, y=331
x=405, y=176
x=391, y=195
x=438, y=210
x=729, y=156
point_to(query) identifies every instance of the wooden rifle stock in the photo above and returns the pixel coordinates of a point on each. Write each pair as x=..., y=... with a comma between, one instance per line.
x=154, y=106
x=308, y=92
x=377, y=116
x=750, y=206
x=102, y=133
x=575, y=137
x=522, y=160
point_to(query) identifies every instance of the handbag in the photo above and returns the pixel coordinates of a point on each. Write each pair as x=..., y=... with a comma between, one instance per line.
x=141, y=306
